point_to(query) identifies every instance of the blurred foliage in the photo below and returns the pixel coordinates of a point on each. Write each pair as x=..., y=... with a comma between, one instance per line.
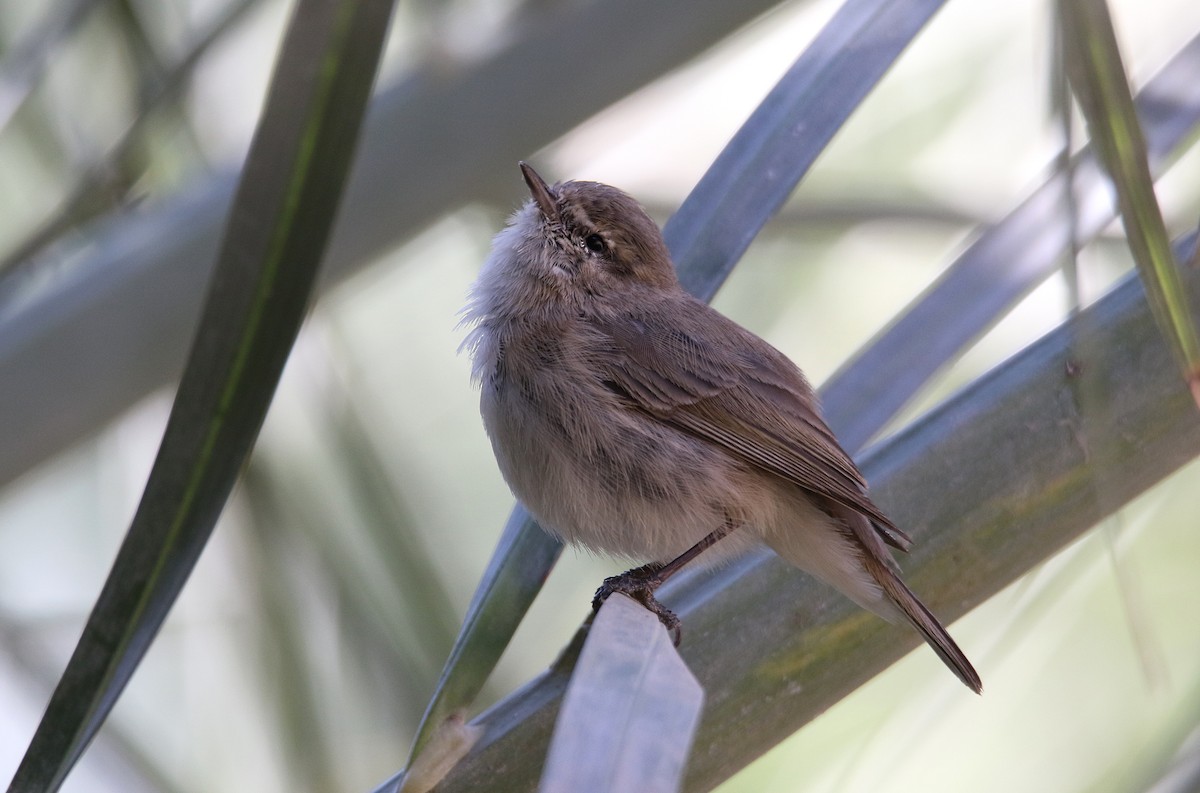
x=306, y=644
x=261, y=286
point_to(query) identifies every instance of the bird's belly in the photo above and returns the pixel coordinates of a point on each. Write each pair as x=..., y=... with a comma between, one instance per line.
x=629, y=486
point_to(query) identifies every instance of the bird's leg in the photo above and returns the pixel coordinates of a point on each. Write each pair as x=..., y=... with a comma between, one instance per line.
x=640, y=583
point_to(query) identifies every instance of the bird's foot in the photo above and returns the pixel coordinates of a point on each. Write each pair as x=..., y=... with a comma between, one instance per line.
x=640, y=584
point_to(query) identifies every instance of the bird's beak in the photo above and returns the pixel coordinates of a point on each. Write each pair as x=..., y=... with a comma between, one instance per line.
x=540, y=191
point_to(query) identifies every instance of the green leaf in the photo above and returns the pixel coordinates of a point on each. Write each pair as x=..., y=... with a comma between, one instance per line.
x=760, y=167
x=273, y=243
x=1093, y=63
x=628, y=717
x=1002, y=264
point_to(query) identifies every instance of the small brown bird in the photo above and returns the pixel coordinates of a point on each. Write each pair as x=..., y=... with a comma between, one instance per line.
x=633, y=419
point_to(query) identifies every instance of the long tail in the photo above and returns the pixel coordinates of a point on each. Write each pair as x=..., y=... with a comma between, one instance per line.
x=925, y=623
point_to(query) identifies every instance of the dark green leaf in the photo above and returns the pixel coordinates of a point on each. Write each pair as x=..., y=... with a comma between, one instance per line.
x=1003, y=264
x=1093, y=62
x=261, y=287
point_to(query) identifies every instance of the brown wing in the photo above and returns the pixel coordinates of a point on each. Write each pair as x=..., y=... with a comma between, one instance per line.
x=709, y=376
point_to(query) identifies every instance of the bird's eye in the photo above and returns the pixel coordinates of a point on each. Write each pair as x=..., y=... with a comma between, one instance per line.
x=594, y=243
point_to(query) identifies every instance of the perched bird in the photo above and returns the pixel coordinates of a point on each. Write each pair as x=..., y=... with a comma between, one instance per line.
x=633, y=419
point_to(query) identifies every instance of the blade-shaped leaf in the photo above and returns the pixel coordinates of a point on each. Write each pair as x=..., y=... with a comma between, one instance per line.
x=628, y=716
x=1093, y=62
x=276, y=234
x=742, y=190
x=1003, y=264
x=761, y=166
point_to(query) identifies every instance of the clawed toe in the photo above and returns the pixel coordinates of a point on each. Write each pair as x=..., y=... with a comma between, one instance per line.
x=640, y=584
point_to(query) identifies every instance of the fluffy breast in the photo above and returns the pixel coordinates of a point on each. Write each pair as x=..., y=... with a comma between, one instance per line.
x=597, y=472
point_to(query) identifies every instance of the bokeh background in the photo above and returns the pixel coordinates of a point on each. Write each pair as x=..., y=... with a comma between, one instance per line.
x=307, y=642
